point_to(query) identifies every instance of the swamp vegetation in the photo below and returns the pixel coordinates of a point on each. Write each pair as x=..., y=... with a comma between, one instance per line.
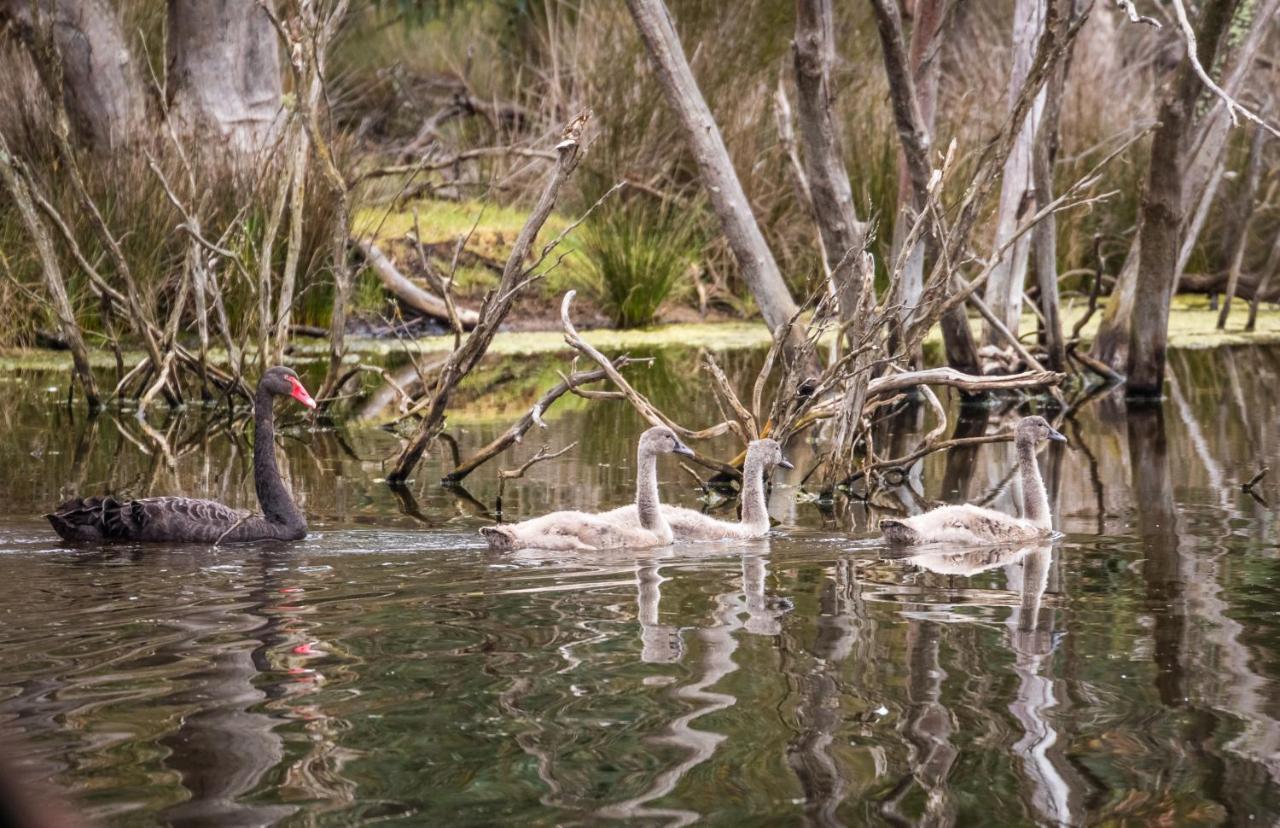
x=388, y=667
x=498, y=240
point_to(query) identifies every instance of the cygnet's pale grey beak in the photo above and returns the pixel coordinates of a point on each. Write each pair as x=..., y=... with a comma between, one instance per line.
x=1057, y=436
x=681, y=448
x=784, y=463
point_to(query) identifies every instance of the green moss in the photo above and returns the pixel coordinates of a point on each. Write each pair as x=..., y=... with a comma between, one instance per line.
x=496, y=228
x=1191, y=325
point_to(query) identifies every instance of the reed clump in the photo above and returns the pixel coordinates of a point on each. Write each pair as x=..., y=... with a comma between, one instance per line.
x=637, y=256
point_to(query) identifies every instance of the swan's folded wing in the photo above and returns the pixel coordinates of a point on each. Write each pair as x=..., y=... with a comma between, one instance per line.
x=686, y=524
x=181, y=517
x=601, y=532
x=969, y=524
x=694, y=525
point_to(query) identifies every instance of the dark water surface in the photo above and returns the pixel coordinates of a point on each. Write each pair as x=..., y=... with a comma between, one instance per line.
x=390, y=668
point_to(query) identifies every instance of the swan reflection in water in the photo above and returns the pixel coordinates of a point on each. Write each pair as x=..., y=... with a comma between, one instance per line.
x=1054, y=792
x=750, y=609
x=706, y=652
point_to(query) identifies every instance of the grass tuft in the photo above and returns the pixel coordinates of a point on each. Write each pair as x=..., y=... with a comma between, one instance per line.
x=635, y=257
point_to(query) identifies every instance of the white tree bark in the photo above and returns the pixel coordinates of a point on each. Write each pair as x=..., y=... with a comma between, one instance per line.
x=755, y=260
x=814, y=52
x=1017, y=200
x=928, y=17
x=101, y=86
x=224, y=72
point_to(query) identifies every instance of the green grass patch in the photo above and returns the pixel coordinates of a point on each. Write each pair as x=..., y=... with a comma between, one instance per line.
x=636, y=257
x=496, y=228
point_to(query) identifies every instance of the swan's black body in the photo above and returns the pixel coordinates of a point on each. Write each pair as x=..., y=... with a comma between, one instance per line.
x=186, y=520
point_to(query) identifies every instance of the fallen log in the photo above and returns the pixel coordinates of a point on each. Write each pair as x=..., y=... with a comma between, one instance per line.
x=1217, y=283
x=403, y=288
x=894, y=383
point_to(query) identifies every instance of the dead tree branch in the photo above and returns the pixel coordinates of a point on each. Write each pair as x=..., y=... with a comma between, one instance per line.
x=497, y=304
x=531, y=418
x=19, y=190
x=906, y=380
x=406, y=291
x=426, y=165
x=1234, y=107
x=639, y=402
x=544, y=453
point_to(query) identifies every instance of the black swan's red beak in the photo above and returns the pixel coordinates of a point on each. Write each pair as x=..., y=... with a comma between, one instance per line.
x=300, y=394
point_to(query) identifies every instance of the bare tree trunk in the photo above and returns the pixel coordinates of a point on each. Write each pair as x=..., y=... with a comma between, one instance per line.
x=928, y=18
x=1045, y=235
x=224, y=72
x=1017, y=200
x=14, y=182
x=1111, y=343
x=1199, y=217
x=837, y=219
x=1160, y=221
x=755, y=260
x=914, y=135
x=100, y=84
x=1237, y=235
x=1264, y=283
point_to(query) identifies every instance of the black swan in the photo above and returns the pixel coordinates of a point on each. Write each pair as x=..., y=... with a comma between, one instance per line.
x=186, y=520
x=973, y=525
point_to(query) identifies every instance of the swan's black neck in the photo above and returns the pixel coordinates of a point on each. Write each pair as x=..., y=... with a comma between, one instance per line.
x=1035, y=501
x=273, y=496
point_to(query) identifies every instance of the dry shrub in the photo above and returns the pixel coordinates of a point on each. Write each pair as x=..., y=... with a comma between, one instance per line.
x=230, y=194
x=552, y=59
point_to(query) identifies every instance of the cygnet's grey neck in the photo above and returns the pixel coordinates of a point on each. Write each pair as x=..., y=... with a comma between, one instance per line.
x=647, y=507
x=755, y=512
x=1035, y=500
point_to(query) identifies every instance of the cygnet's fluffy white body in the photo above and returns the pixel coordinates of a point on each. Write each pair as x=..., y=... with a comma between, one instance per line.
x=967, y=525
x=691, y=525
x=585, y=531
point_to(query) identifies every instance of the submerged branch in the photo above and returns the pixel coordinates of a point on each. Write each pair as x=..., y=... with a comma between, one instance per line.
x=639, y=402
x=544, y=453
x=532, y=418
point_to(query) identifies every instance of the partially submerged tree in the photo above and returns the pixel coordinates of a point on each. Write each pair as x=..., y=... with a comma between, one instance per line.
x=1161, y=220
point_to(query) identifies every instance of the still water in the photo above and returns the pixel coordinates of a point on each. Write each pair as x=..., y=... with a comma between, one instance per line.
x=390, y=668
